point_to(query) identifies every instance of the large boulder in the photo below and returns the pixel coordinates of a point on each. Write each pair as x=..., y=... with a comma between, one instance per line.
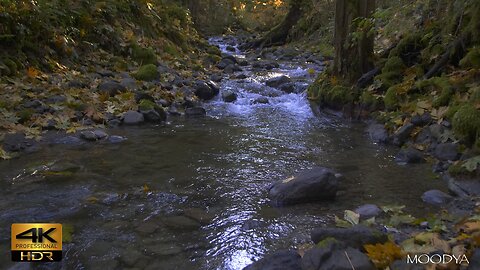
x=377, y=133
x=133, y=118
x=205, y=91
x=336, y=259
x=403, y=134
x=276, y=82
x=308, y=186
x=446, y=151
x=436, y=197
x=356, y=236
x=284, y=260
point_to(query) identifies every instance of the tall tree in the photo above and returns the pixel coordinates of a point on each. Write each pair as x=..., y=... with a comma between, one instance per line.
x=353, y=42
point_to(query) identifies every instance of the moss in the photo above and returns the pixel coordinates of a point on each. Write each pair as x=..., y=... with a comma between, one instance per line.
x=25, y=115
x=326, y=242
x=76, y=105
x=472, y=59
x=171, y=50
x=459, y=170
x=394, y=64
x=452, y=110
x=392, y=72
x=444, y=98
x=369, y=101
x=408, y=49
x=466, y=123
x=391, y=99
x=214, y=50
x=143, y=56
x=147, y=73
x=146, y=105
x=475, y=94
x=12, y=66
x=438, y=84
x=334, y=95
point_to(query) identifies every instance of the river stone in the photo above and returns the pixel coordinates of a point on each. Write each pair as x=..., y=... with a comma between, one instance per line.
x=281, y=260
x=436, y=197
x=204, y=91
x=147, y=227
x=261, y=100
x=229, y=96
x=367, y=211
x=307, y=186
x=232, y=69
x=93, y=135
x=111, y=88
x=474, y=260
x=155, y=116
x=129, y=83
x=421, y=120
x=181, y=223
x=446, y=151
x=325, y=258
x=116, y=139
x=133, y=118
x=195, y=111
x=403, y=134
x=409, y=155
x=355, y=237
x=424, y=136
x=288, y=88
x=377, y=133
x=277, y=81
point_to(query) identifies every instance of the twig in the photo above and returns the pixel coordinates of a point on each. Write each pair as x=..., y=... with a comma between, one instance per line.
x=348, y=258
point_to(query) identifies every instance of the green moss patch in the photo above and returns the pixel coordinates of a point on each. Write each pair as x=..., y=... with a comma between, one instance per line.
x=466, y=123
x=147, y=73
x=143, y=56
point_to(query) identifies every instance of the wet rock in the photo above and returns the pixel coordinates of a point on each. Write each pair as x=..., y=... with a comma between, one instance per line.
x=216, y=77
x=111, y=88
x=403, y=265
x=288, y=88
x=284, y=259
x=377, y=133
x=421, y=120
x=230, y=48
x=147, y=227
x=463, y=188
x=230, y=57
x=241, y=76
x=277, y=81
x=199, y=215
x=355, y=237
x=261, y=100
x=243, y=63
x=265, y=65
x=436, y=197
x=116, y=139
x=229, y=96
x=133, y=118
x=252, y=224
x=181, y=223
x=403, y=134
x=17, y=142
x=131, y=256
x=326, y=258
x=436, y=131
x=225, y=62
x=308, y=186
x=205, y=91
x=446, y=151
x=367, y=211
x=114, y=122
x=93, y=135
x=164, y=249
x=195, y=111
x=474, y=260
x=424, y=136
x=69, y=140
x=232, y=69
x=409, y=155
x=155, y=116
x=141, y=96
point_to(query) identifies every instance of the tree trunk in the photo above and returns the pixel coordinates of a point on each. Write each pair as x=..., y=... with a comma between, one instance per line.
x=279, y=34
x=352, y=59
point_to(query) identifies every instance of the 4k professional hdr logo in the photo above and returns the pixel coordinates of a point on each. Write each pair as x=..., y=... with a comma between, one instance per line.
x=36, y=242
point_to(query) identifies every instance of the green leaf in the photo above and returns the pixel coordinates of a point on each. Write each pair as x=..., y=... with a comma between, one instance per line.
x=395, y=209
x=471, y=164
x=342, y=223
x=351, y=217
x=67, y=231
x=396, y=220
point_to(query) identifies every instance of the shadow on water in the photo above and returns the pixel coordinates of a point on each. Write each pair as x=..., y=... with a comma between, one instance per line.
x=192, y=195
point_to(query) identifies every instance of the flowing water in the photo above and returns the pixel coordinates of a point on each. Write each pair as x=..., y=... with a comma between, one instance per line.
x=133, y=204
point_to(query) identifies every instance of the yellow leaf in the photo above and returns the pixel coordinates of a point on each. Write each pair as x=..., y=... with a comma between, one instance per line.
x=4, y=154
x=382, y=255
x=32, y=72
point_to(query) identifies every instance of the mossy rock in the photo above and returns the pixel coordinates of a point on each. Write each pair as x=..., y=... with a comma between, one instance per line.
x=394, y=64
x=409, y=48
x=466, y=123
x=143, y=56
x=12, y=67
x=392, y=72
x=475, y=94
x=147, y=73
x=369, y=101
x=458, y=170
x=472, y=59
x=214, y=50
x=439, y=84
x=146, y=105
